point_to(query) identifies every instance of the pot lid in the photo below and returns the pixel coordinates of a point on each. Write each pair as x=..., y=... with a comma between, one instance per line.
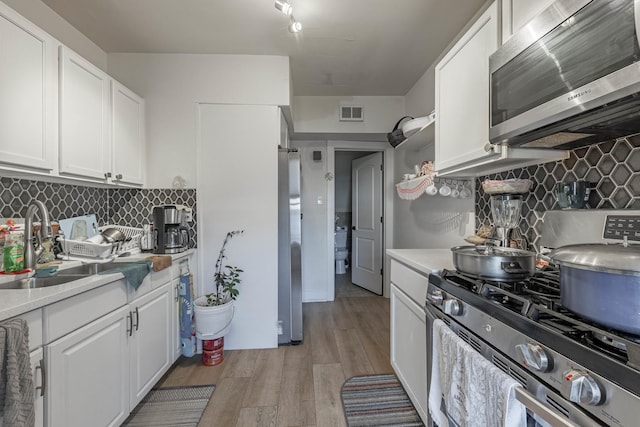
x=600, y=257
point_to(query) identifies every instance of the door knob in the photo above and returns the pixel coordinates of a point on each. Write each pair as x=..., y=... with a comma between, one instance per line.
x=353, y=227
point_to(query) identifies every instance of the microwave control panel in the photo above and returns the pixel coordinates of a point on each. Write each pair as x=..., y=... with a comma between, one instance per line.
x=618, y=226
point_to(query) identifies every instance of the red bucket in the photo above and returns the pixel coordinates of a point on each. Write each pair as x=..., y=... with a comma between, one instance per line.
x=213, y=352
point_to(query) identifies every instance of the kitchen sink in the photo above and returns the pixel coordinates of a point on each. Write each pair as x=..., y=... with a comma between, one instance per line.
x=91, y=269
x=64, y=276
x=41, y=282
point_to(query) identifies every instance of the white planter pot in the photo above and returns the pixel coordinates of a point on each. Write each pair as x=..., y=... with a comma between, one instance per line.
x=212, y=322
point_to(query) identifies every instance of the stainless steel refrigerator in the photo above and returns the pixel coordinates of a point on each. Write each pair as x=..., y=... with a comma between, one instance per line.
x=289, y=248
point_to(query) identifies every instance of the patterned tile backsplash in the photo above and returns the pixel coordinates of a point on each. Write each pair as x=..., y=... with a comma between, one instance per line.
x=612, y=168
x=120, y=206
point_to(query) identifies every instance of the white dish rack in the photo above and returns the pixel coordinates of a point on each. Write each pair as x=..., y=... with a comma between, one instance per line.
x=86, y=249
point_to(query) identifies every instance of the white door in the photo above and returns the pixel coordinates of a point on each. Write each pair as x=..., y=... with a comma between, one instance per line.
x=150, y=345
x=408, y=331
x=462, y=90
x=39, y=383
x=127, y=111
x=85, y=147
x=28, y=88
x=366, y=220
x=238, y=163
x=88, y=374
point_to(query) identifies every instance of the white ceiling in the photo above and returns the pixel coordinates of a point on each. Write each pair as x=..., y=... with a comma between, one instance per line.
x=346, y=47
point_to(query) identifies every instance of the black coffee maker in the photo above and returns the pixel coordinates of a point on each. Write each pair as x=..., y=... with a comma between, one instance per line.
x=171, y=233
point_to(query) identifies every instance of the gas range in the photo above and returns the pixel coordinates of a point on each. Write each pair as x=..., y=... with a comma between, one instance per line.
x=581, y=372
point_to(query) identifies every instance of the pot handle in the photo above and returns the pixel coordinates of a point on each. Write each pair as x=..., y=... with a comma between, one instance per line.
x=513, y=267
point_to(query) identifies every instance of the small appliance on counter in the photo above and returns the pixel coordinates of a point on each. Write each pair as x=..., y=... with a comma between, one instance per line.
x=170, y=229
x=506, y=208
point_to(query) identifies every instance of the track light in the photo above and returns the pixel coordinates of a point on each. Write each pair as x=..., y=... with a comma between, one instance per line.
x=295, y=27
x=284, y=7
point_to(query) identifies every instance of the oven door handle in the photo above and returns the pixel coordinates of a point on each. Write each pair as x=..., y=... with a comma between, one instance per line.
x=547, y=414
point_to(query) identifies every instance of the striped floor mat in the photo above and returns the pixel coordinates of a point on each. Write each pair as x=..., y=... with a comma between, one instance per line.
x=171, y=406
x=377, y=400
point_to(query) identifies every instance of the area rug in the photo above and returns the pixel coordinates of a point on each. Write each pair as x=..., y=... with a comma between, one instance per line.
x=377, y=400
x=171, y=406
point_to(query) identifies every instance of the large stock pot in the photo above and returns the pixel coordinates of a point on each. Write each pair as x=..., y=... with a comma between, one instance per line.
x=601, y=283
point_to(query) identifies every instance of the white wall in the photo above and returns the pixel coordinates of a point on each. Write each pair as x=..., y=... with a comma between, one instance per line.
x=41, y=15
x=421, y=99
x=318, y=224
x=172, y=85
x=426, y=222
x=317, y=114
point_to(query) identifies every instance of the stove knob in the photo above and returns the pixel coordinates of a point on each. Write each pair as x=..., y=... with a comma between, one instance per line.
x=436, y=297
x=584, y=388
x=452, y=307
x=534, y=356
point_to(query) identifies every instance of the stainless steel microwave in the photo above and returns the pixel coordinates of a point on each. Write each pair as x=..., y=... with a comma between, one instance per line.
x=569, y=78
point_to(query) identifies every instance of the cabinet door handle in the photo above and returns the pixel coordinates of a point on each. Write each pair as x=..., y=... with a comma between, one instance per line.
x=137, y=319
x=43, y=377
x=177, y=291
x=119, y=176
x=107, y=175
x=130, y=327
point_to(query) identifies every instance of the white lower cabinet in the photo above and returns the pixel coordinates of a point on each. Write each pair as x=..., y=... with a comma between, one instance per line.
x=39, y=383
x=409, y=348
x=150, y=341
x=88, y=372
x=98, y=373
x=409, y=356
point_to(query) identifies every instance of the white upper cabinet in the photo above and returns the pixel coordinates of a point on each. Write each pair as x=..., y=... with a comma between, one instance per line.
x=101, y=124
x=84, y=117
x=28, y=88
x=462, y=95
x=462, y=145
x=517, y=13
x=128, y=158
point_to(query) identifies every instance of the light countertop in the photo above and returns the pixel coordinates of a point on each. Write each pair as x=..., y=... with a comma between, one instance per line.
x=423, y=260
x=14, y=302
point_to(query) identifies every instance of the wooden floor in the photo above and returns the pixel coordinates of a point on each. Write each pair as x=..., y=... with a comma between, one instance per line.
x=296, y=385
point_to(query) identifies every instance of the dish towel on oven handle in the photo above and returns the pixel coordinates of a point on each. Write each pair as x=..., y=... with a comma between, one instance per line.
x=466, y=389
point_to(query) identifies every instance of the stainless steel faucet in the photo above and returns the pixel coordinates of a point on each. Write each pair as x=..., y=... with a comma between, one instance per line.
x=30, y=254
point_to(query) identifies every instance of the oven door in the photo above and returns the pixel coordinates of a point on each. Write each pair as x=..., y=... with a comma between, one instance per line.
x=538, y=414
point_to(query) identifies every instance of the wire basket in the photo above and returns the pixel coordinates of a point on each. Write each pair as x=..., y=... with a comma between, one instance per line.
x=88, y=249
x=132, y=234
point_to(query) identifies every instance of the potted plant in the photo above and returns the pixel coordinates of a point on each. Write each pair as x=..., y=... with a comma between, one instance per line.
x=214, y=312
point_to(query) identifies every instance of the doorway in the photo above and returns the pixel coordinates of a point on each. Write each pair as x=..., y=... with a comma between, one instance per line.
x=358, y=243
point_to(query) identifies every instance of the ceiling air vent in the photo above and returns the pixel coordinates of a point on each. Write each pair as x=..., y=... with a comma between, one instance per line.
x=351, y=113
